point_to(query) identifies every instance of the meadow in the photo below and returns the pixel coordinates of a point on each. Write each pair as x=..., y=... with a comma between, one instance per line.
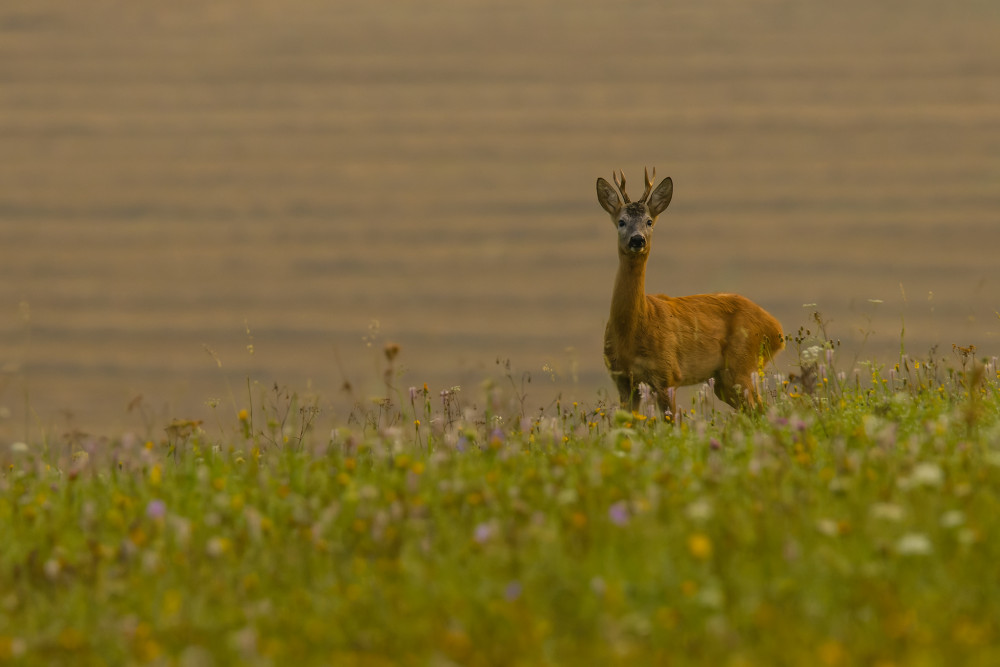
x=190, y=177
x=853, y=522
x=206, y=209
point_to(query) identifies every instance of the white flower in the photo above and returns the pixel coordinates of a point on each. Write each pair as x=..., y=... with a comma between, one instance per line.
x=927, y=474
x=828, y=527
x=711, y=597
x=914, y=544
x=567, y=496
x=699, y=510
x=217, y=546
x=52, y=568
x=887, y=512
x=811, y=354
x=953, y=519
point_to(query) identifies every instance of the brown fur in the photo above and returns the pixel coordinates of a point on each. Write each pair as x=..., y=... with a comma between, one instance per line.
x=667, y=342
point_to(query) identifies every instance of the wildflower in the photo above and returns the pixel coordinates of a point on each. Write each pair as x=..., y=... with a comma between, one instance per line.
x=952, y=519
x=484, y=532
x=156, y=509
x=828, y=527
x=618, y=513
x=811, y=354
x=914, y=544
x=927, y=474
x=887, y=512
x=699, y=510
x=700, y=546
x=711, y=598
x=832, y=653
x=217, y=546
x=243, y=415
x=513, y=591
x=12, y=647
x=924, y=474
x=567, y=496
x=52, y=568
x=497, y=438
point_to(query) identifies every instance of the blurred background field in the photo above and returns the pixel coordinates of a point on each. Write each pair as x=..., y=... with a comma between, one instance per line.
x=183, y=180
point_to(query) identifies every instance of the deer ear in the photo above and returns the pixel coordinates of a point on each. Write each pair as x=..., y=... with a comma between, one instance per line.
x=608, y=198
x=660, y=198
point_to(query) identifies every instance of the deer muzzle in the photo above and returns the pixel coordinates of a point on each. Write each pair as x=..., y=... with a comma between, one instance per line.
x=637, y=242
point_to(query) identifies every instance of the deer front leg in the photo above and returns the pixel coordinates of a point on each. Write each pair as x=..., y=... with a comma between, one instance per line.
x=666, y=399
x=628, y=392
x=737, y=391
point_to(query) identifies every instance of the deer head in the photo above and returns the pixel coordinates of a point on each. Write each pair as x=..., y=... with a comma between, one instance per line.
x=634, y=220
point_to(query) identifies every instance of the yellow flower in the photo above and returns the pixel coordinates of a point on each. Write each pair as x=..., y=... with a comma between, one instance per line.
x=700, y=546
x=832, y=653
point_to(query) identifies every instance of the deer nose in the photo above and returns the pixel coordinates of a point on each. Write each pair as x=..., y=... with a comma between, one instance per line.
x=637, y=242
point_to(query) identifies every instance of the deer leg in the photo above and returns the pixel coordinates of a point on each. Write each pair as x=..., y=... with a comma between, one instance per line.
x=744, y=396
x=628, y=393
x=666, y=401
x=736, y=391
x=726, y=389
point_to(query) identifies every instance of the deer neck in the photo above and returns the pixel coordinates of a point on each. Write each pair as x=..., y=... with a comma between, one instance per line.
x=628, y=302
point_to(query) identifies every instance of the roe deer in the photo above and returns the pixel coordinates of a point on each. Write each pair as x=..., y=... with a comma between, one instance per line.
x=668, y=342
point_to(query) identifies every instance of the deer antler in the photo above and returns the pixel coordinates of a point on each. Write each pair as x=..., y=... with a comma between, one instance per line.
x=649, y=185
x=621, y=184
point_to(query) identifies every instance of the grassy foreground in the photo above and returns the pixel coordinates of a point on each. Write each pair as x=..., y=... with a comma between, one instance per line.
x=854, y=523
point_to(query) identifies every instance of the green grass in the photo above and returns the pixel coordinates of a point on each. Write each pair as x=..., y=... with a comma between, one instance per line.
x=853, y=523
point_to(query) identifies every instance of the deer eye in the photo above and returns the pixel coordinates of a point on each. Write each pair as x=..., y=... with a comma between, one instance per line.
x=621, y=224
x=649, y=223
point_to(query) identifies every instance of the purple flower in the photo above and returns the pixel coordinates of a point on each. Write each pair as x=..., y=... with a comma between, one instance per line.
x=513, y=590
x=484, y=532
x=156, y=509
x=618, y=513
